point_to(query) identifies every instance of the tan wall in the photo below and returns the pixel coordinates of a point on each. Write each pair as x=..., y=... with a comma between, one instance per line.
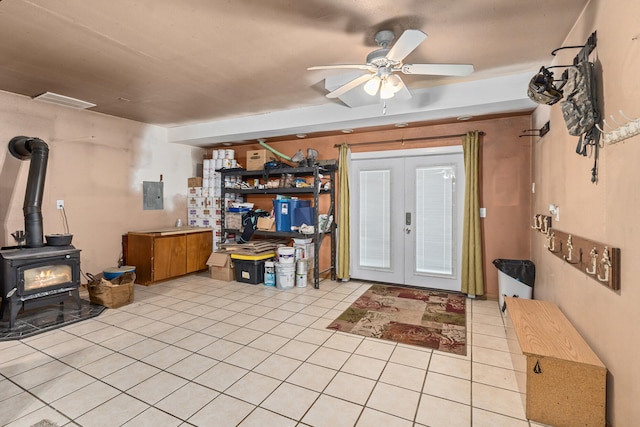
x=506, y=178
x=606, y=212
x=97, y=164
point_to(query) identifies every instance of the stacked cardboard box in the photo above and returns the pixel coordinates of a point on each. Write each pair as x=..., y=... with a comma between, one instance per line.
x=203, y=204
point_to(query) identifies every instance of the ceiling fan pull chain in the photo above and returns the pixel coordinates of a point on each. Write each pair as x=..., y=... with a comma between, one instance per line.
x=384, y=108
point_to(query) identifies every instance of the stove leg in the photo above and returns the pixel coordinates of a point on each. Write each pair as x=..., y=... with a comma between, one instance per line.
x=76, y=296
x=14, y=308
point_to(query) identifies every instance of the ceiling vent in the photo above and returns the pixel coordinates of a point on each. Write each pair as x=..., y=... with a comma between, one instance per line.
x=66, y=101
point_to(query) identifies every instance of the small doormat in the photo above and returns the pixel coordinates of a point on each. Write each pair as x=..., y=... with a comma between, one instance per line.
x=422, y=317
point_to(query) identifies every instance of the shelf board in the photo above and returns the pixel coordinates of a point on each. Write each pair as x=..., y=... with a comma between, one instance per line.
x=291, y=234
x=294, y=190
x=307, y=170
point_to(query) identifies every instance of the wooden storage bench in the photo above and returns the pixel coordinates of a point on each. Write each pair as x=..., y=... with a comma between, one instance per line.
x=564, y=381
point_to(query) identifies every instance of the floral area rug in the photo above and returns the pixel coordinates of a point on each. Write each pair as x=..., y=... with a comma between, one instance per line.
x=427, y=318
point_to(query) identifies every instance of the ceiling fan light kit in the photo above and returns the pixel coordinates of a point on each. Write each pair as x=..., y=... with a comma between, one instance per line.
x=383, y=63
x=372, y=86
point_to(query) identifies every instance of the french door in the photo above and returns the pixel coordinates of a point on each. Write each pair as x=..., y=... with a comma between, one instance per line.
x=406, y=221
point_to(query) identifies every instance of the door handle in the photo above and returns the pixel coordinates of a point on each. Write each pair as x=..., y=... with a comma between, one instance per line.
x=407, y=230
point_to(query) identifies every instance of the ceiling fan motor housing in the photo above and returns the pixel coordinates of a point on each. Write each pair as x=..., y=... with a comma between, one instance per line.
x=378, y=57
x=384, y=38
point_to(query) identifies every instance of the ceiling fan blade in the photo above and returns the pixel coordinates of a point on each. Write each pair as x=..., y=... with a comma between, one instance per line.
x=350, y=85
x=352, y=66
x=408, y=41
x=438, y=69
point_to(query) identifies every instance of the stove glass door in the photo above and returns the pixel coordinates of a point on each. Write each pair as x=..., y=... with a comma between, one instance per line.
x=46, y=276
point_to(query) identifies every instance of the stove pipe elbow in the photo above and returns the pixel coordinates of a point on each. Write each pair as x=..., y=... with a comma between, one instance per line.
x=24, y=148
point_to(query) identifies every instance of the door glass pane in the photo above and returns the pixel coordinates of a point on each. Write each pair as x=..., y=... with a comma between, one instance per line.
x=45, y=276
x=435, y=187
x=375, y=218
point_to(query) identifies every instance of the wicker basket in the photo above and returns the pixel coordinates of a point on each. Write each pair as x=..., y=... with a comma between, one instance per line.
x=112, y=293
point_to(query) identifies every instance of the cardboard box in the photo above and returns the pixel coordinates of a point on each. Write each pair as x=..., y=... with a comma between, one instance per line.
x=194, y=182
x=221, y=266
x=268, y=224
x=195, y=192
x=256, y=159
x=195, y=202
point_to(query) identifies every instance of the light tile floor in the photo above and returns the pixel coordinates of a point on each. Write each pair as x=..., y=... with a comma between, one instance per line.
x=195, y=351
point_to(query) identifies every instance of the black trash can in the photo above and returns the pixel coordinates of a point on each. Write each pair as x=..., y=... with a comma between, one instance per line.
x=516, y=278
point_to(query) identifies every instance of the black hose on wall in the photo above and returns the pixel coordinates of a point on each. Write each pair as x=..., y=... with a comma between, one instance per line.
x=24, y=148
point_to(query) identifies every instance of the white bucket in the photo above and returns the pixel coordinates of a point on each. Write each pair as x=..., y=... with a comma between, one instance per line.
x=301, y=273
x=286, y=255
x=285, y=275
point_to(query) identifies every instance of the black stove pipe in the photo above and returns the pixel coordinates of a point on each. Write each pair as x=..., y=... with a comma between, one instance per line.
x=24, y=148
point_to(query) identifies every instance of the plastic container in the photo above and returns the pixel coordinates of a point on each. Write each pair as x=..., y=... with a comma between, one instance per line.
x=301, y=273
x=516, y=278
x=284, y=212
x=249, y=271
x=285, y=275
x=114, y=272
x=303, y=215
x=269, y=273
x=286, y=255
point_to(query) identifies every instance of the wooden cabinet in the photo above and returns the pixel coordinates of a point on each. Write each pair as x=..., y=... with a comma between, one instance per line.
x=564, y=381
x=167, y=253
x=199, y=247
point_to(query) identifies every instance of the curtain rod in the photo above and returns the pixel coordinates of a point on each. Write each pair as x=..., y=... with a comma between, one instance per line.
x=424, y=138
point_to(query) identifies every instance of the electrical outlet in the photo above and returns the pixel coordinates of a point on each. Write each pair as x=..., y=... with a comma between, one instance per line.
x=60, y=204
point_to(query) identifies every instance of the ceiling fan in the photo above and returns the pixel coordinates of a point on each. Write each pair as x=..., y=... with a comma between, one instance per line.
x=384, y=63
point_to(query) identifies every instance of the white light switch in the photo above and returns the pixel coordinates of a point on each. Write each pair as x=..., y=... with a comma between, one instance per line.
x=483, y=212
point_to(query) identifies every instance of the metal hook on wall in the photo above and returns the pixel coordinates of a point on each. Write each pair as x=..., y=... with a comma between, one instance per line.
x=585, y=50
x=555, y=51
x=624, y=130
x=541, y=132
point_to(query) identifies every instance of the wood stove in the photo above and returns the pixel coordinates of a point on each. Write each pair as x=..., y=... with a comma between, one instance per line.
x=34, y=275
